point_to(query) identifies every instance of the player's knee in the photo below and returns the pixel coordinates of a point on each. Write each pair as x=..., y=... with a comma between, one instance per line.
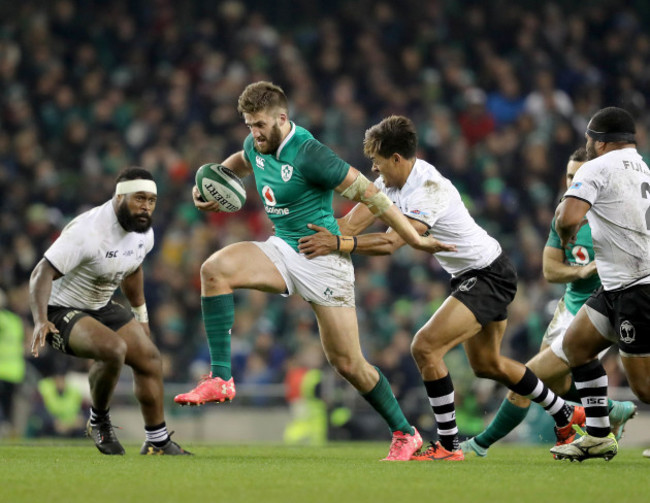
x=488, y=369
x=345, y=367
x=422, y=351
x=115, y=352
x=217, y=268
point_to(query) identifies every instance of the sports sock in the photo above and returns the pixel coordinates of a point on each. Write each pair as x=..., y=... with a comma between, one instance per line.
x=218, y=318
x=157, y=435
x=508, y=417
x=381, y=399
x=591, y=381
x=441, y=398
x=532, y=388
x=97, y=416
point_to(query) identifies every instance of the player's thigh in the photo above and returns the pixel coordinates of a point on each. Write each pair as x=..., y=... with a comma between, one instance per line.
x=141, y=352
x=245, y=265
x=339, y=331
x=452, y=324
x=637, y=369
x=91, y=339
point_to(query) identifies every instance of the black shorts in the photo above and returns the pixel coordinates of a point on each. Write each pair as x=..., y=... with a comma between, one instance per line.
x=628, y=311
x=113, y=315
x=487, y=292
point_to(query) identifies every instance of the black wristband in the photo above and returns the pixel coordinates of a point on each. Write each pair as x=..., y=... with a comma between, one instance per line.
x=338, y=243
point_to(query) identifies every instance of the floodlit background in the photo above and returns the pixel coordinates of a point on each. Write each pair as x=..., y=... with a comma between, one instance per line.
x=500, y=92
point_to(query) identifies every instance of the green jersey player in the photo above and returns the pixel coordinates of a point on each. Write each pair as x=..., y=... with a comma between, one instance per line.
x=576, y=267
x=296, y=177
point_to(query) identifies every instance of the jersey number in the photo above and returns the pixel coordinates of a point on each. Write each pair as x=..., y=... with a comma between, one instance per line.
x=645, y=190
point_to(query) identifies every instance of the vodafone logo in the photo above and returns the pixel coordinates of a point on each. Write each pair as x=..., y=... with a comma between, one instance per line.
x=269, y=196
x=580, y=254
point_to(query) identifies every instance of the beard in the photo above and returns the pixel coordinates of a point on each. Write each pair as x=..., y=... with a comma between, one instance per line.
x=591, y=151
x=133, y=223
x=272, y=141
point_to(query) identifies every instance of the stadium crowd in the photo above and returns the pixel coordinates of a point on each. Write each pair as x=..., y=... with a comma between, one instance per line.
x=500, y=92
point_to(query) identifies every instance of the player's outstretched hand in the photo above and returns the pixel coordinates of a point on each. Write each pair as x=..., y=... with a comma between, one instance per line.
x=40, y=333
x=432, y=245
x=316, y=245
x=201, y=204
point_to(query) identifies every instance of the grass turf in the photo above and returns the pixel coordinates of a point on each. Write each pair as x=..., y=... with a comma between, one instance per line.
x=50, y=471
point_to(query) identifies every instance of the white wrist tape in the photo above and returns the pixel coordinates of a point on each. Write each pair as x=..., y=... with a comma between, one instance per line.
x=378, y=203
x=140, y=313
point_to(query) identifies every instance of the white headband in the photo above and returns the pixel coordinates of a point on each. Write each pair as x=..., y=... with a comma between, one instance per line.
x=130, y=186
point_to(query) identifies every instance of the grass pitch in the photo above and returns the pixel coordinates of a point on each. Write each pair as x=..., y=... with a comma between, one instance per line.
x=70, y=472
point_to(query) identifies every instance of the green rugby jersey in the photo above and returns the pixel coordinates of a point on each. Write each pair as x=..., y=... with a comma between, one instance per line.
x=296, y=183
x=577, y=292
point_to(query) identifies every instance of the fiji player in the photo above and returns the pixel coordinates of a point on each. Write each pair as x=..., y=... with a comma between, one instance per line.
x=576, y=267
x=483, y=283
x=296, y=177
x=70, y=296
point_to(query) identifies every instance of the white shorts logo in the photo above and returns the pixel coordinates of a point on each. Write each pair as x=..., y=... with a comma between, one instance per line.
x=287, y=171
x=627, y=332
x=467, y=285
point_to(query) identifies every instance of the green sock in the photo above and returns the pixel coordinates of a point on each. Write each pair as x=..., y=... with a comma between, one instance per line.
x=383, y=401
x=218, y=318
x=508, y=417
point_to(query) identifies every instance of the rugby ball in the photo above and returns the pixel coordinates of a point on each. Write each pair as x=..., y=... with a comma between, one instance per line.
x=216, y=183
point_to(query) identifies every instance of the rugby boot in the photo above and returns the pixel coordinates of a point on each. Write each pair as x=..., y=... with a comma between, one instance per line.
x=209, y=389
x=620, y=414
x=403, y=445
x=104, y=437
x=171, y=448
x=567, y=434
x=436, y=452
x=586, y=447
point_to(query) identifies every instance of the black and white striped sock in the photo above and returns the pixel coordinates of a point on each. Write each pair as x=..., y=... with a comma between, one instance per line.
x=441, y=398
x=157, y=435
x=532, y=388
x=97, y=416
x=591, y=382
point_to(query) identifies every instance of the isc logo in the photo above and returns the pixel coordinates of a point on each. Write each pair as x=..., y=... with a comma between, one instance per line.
x=111, y=253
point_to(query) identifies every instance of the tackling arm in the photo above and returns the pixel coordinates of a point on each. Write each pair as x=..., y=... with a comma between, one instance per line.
x=357, y=187
x=557, y=271
x=569, y=217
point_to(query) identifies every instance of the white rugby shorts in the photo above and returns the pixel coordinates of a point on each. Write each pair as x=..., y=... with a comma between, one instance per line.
x=562, y=318
x=326, y=280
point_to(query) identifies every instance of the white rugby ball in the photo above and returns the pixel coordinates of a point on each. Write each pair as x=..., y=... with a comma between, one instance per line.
x=216, y=183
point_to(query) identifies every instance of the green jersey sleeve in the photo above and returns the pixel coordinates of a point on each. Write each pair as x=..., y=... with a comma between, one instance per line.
x=553, y=240
x=320, y=165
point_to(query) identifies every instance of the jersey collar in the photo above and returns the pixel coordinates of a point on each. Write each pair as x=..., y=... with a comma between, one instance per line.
x=286, y=140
